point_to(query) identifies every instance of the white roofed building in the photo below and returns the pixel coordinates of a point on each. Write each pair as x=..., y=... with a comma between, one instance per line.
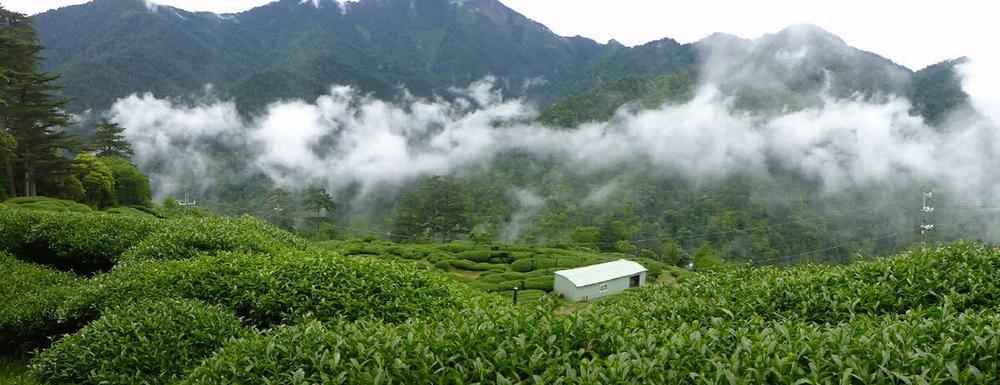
x=595, y=281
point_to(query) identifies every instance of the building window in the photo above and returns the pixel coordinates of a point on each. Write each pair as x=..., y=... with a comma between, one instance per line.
x=604, y=288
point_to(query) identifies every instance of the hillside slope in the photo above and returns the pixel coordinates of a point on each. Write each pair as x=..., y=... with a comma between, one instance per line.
x=108, y=49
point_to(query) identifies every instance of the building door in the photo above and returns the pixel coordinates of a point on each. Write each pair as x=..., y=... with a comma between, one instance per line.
x=633, y=281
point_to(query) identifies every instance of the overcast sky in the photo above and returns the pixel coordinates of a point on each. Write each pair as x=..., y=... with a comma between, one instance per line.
x=915, y=33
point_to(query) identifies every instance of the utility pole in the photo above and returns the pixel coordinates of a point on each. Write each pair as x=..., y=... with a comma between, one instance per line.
x=186, y=204
x=925, y=210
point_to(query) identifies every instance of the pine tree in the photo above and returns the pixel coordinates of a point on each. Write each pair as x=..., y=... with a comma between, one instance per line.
x=317, y=199
x=438, y=206
x=109, y=140
x=31, y=113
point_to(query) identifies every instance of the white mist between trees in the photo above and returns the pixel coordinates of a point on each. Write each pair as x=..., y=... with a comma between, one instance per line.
x=345, y=138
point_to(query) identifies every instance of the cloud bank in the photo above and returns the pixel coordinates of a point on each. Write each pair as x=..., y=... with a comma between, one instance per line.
x=345, y=138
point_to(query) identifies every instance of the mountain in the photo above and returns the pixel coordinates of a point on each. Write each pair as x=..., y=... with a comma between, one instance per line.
x=792, y=69
x=110, y=48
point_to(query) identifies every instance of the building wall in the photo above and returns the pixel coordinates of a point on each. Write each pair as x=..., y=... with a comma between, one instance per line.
x=591, y=292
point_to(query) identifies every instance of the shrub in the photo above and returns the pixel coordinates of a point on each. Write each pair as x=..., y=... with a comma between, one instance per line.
x=270, y=289
x=47, y=204
x=31, y=295
x=443, y=264
x=530, y=264
x=473, y=266
x=185, y=238
x=151, y=342
x=15, y=227
x=525, y=297
x=539, y=283
x=84, y=242
x=125, y=210
x=70, y=240
x=476, y=255
x=922, y=318
x=482, y=285
x=457, y=247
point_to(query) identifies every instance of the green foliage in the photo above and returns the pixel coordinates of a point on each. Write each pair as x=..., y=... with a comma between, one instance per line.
x=318, y=200
x=150, y=343
x=131, y=186
x=696, y=332
x=187, y=237
x=704, y=259
x=31, y=111
x=282, y=287
x=503, y=266
x=84, y=242
x=125, y=210
x=7, y=146
x=937, y=91
x=97, y=181
x=437, y=206
x=31, y=293
x=601, y=103
x=48, y=204
x=108, y=140
x=280, y=52
x=475, y=266
x=13, y=371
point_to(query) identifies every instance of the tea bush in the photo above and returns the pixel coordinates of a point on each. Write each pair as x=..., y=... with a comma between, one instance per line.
x=29, y=297
x=964, y=274
x=150, y=342
x=906, y=319
x=125, y=210
x=940, y=346
x=186, y=237
x=282, y=287
x=84, y=242
x=47, y=204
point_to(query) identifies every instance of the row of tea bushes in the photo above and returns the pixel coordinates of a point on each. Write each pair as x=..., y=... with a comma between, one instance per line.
x=282, y=287
x=935, y=346
x=94, y=241
x=530, y=267
x=83, y=242
x=187, y=237
x=694, y=332
x=928, y=317
x=153, y=342
x=963, y=274
x=29, y=297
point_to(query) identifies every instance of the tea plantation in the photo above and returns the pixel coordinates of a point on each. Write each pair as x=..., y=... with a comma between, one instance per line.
x=125, y=298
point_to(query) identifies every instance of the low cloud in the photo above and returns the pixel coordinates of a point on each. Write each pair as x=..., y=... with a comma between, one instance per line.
x=347, y=139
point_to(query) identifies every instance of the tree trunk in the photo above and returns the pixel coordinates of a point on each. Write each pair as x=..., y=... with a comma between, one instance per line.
x=11, y=180
x=27, y=178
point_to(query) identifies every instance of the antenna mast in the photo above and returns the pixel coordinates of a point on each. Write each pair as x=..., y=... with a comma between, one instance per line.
x=925, y=210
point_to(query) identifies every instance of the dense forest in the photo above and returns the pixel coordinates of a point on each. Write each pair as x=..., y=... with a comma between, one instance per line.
x=40, y=157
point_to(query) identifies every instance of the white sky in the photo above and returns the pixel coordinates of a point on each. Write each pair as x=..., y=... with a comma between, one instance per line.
x=915, y=33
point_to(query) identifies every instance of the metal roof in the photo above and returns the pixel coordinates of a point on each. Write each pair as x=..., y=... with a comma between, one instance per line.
x=601, y=272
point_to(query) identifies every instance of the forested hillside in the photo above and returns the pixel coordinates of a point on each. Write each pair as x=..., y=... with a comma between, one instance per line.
x=397, y=51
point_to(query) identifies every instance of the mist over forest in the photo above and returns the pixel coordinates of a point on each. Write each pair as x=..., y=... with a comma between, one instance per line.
x=756, y=148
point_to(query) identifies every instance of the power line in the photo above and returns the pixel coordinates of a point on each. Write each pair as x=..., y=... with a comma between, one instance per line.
x=747, y=230
x=784, y=257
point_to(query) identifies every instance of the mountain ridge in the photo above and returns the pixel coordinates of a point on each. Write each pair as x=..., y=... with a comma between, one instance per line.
x=295, y=49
